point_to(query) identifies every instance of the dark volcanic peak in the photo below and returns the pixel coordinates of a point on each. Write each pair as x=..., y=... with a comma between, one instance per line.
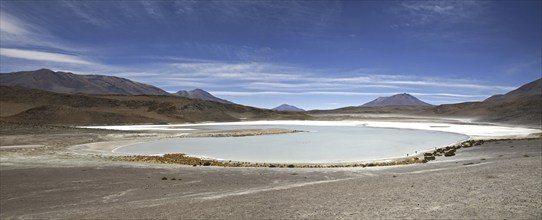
x=532, y=90
x=289, y=108
x=201, y=95
x=397, y=100
x=65, y=82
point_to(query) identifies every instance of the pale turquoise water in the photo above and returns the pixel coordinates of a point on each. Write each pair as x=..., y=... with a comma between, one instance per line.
x=322, y=144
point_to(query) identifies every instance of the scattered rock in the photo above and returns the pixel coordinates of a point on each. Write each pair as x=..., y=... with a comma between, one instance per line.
x=449, y=153
x=428, y=158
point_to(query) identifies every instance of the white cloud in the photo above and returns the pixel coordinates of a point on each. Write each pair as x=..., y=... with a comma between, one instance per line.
x=267, y=77
x=17, y=33
x=451, y=95
x=9, y=25
x=447, y=22
x=333, y=93
x=440, y=11
x=238, y=71
x=84, y=11
x=236, y=93
x=42, y=56
x=449, y=84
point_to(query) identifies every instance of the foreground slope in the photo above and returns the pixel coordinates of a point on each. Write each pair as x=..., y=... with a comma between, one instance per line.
x=65, y=82
x=42, y=107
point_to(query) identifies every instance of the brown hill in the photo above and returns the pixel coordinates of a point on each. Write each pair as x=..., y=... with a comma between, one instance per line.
x=522, y=106
x=532, y=90
x=42, y=107
x=64, y=82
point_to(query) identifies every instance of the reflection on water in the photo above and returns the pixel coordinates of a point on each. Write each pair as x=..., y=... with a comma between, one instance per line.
x=322, y=144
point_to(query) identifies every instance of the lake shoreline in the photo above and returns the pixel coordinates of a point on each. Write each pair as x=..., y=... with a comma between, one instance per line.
x=475, y=132
x=422, y=157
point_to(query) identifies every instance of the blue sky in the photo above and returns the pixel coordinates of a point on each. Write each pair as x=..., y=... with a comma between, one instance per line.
x=312, y=54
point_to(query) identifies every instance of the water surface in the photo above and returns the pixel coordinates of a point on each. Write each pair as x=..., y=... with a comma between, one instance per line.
x=321, y=144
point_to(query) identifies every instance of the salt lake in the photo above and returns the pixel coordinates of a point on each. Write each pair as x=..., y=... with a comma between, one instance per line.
x=319, y=144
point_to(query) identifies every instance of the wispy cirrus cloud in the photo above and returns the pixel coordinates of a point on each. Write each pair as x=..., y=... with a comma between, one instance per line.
x=244, y=79
x=42, y=56
x=22, y=40
x=449, y=84
x=16, y=33
x=297, y=17
x=417, y=13
x=9, y=25
x=240, y=71
x=453, y=22
x=267, y=75
x=332, y=93
x=84, y=11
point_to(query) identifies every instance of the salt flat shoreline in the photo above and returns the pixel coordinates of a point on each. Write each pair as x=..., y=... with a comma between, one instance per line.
x=474, y=131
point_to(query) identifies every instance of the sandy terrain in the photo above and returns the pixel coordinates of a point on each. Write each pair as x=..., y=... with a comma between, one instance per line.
x=65, y=176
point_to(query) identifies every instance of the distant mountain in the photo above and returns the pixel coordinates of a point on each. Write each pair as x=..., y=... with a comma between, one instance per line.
x=532, y=90
x=201, y=95
x=22, y=105
x=288, y=108
x=396, y=100
x=522, y=106
x=65, y=82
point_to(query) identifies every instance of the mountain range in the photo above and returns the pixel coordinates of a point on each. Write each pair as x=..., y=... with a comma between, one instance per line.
x=522, y=106
x=65, y=82
x=46, y=96
x=288, y=108
x=32, y=106
x=397, y=100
